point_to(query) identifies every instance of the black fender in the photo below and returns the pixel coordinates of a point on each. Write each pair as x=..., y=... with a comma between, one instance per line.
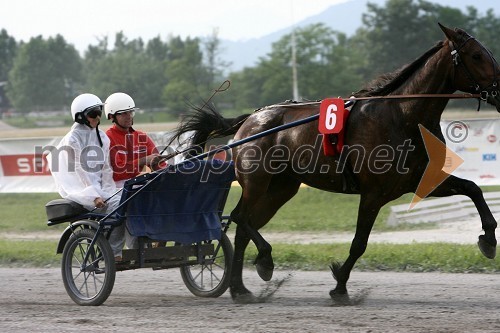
x=81, y=224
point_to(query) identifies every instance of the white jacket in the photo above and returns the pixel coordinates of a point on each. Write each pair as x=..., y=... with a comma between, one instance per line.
x=81, y=168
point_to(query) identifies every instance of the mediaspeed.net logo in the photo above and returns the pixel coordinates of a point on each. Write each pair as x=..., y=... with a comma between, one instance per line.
x=436, y=172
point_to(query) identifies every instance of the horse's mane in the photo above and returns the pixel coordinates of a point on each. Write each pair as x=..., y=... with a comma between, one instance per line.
x=387, y=83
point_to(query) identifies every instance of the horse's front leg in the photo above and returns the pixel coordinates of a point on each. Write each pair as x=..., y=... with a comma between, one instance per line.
x=367, y=213
x=453, y=185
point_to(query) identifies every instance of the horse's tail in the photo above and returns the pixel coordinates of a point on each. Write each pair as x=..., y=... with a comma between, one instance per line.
x=206, y=123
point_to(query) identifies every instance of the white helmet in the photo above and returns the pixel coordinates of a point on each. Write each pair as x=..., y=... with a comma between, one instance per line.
x=117, y=103
x=83, y=103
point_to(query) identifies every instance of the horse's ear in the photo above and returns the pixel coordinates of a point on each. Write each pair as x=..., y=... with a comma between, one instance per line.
x=450, y=34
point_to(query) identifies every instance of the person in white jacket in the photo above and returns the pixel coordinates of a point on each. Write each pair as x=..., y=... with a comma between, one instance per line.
x=82, y=170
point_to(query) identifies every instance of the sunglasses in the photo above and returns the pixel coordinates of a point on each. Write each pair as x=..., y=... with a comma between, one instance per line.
x=94, y=112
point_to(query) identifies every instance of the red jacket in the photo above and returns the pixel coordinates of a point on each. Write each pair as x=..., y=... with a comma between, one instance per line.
x=125, y=151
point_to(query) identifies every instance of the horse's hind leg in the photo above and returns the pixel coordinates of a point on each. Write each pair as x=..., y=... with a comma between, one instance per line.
x=254, y=210
x=264, y=261
x=454, y=185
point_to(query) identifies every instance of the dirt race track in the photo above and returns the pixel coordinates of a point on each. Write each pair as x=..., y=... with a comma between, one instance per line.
x=34, y=300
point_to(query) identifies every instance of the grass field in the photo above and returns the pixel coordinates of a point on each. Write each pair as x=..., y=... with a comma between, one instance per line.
x=417, y=257
x=311, y=210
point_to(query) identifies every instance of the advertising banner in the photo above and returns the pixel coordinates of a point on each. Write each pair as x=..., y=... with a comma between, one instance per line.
x=477, y=142
x=23, y=163
x=22, y=169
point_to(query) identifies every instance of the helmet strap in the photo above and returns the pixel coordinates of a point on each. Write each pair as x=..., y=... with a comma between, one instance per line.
x=82, y=119
x=98, y=134
x=115, y=120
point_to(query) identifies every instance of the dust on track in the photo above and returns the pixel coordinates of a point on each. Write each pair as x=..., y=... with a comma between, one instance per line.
x=34, y=300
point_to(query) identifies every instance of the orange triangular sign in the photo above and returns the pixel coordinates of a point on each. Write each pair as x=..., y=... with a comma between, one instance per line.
x=442, y=162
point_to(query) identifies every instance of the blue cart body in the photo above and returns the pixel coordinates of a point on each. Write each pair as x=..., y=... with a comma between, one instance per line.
x=183, y=204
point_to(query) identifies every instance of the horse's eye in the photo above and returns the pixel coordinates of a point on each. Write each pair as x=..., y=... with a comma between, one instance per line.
x=476, y=56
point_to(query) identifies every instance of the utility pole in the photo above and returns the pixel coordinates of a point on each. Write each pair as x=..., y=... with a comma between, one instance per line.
x=295, y=82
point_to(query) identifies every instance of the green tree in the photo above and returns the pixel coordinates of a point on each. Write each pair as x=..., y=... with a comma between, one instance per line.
x=185, y=74
x=487, y=28
x=246, y=88
x=157, y=49
x=326, y=67
x=155, y=80
x=178, y=95
x=130, y=67
x=400, y=31
x=43, y=75
x=94, y=54
x=8, y=49
x=214, y=65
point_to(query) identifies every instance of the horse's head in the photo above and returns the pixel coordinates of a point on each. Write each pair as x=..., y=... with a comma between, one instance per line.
x=476, y=70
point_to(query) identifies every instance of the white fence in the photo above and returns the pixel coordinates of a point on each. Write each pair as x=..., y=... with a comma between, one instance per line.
x=454, y=208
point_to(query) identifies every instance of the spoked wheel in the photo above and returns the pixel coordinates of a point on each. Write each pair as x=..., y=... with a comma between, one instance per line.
x=211, y=280
x=88, y=282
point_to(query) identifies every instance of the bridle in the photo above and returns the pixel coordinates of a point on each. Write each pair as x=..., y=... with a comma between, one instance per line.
x=492, y=88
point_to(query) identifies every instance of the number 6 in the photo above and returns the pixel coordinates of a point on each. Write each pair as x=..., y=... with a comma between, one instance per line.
x=331, y=117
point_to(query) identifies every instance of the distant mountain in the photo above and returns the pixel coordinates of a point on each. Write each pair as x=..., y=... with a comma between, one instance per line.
x=344, y=17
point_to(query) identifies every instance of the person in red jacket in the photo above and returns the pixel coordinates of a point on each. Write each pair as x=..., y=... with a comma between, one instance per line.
x=130, y=150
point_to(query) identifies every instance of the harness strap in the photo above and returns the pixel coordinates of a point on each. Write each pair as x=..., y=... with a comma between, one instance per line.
x=451, y=96
x=483, y=92
x=410, y=96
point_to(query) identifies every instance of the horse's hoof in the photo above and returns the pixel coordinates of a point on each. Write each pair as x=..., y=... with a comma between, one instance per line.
x=265, y=266
x=247, y=298
x=340, y=298
x=336, y=293
x=488, y=250
x=265, y=273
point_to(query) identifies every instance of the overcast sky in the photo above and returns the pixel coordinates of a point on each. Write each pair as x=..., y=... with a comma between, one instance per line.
x=82, y=22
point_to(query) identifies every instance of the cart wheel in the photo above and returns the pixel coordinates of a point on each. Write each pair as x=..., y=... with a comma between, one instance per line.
x=89, y=282
x=211, y=280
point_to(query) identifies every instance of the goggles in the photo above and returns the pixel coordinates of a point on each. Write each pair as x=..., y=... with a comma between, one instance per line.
x=94, y=111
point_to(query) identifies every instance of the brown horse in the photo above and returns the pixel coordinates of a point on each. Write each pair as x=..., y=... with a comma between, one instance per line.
x=271, y=169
